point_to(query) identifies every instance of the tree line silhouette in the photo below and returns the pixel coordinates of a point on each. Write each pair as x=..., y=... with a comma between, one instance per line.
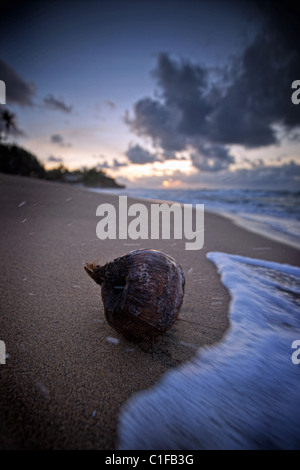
x=15, y=160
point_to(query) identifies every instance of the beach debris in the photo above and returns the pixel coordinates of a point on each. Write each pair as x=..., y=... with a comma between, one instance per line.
x=111, y=339
x=142, y=292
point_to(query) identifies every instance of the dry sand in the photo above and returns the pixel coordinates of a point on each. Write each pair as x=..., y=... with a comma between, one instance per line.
x=65, y=378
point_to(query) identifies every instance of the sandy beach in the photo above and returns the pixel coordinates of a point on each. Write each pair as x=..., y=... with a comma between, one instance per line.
x=67, y=372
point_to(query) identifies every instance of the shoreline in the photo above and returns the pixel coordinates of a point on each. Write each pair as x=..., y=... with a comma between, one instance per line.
x=243, y=220
x=68, y=373
x=254, y=226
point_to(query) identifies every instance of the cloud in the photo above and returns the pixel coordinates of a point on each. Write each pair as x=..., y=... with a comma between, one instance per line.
x=251, y=98
x=154, y=119
x=140, y=156
x=110, y=104
x=275, y=177
x=114, y=165
x=57, y=104
x=178, y=119
x=59, y=140
x=211, y=157
x=55, y=159
x=18, y=91
x=184, y=86
x=283, y=177
x=259, y=97
x=118, y=164
x=101, y=106
x=103, y=165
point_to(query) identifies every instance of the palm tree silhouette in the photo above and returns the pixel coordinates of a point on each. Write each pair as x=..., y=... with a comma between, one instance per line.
x=10, y=122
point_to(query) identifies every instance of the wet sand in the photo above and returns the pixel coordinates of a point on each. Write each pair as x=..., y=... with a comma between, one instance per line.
x=67, y=372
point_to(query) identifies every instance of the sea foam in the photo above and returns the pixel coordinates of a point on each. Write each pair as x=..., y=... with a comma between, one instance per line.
x=242, y=393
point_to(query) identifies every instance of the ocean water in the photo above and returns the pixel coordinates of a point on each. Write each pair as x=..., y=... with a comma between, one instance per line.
x=275, y=214
x=242, y=393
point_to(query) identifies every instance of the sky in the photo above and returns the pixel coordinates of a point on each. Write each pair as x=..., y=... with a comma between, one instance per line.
x=172, y=94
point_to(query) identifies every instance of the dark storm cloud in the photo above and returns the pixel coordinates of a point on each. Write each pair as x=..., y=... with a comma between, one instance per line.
x=183, y=89
x=191, y=112
x=260, y=96
x=59, y=140
x=57, y=104
x=178, y=119
x=140, y=156
x=211, y=157
x=18, y=91
x=155, y=119
x=179, y=115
